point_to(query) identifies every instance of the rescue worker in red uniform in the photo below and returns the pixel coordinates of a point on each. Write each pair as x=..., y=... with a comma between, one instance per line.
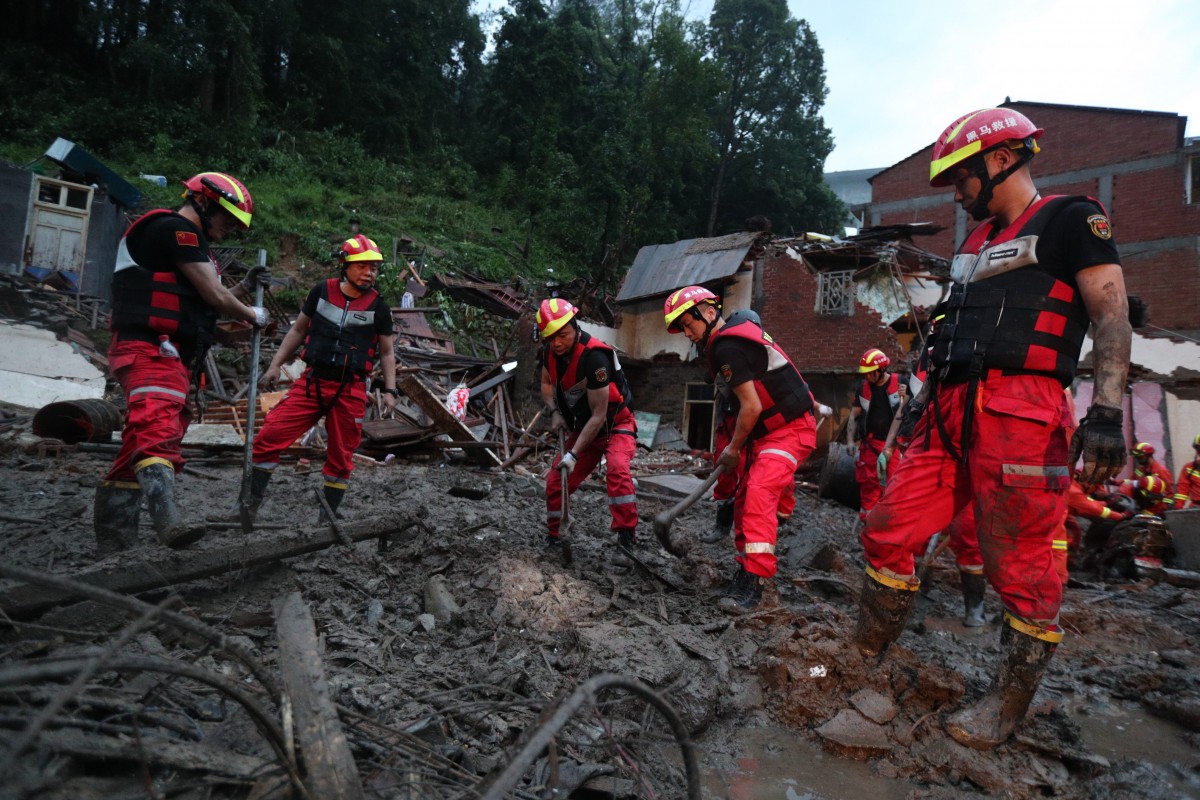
x=1027, y=283
x=586, y=393
x=167, y=295
x=879, y=396
x=344, y=327
x=725, y=489
x=775, y=427
x=1187, y=488
x=1144, y=464
x=1151, y=493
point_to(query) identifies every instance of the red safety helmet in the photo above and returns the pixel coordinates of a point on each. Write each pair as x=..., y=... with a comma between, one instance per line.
x=683, y=299
x=872, y=360
x=1143, y=450
x=1152, y=485
x=976, y=133
x=357, y=249
x=553, y=314
x=224, y=190
x=1196, y=441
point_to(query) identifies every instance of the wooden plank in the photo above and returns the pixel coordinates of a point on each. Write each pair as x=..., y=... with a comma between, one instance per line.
x=444, y=421
x=155, y=567
x=330, y=770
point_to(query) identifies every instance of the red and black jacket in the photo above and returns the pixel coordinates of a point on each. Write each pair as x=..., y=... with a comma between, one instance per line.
x=153, y=300
x=342, y=343
x=781, y=389
x=570, y=388
x=1005, y=311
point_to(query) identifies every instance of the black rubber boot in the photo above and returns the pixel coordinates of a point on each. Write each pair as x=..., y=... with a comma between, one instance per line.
x=1027, y=652
x=115, y=515
x=625, y=541
x=722, y=526
x=333, y=496
x=883, y=609
x=157, y=480
x=973, y=586
x=745, y=593
x=259, y=478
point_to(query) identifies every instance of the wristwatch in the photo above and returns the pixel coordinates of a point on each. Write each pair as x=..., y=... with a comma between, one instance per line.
x=392, y=392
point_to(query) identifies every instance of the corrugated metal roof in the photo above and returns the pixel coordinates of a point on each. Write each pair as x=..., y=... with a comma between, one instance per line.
x=662, y=268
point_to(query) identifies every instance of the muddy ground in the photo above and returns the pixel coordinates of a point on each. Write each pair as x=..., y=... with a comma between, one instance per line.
x=434, y=698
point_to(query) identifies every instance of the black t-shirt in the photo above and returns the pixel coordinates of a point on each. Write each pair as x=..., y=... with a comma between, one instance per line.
x=383, y=313
x=737, y=361
x=1079, y=236
x=594, y=366
x=168, y=240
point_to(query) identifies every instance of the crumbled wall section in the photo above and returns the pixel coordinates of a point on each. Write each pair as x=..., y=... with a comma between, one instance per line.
x=815, y=342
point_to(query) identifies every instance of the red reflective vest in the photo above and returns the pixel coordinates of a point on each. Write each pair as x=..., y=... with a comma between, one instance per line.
x=571, y=389
x=781, y=389
x=1007, y=312
x=341, y=343
x=151, y=300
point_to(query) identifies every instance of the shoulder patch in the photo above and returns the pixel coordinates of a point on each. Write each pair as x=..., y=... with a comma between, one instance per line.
x=186, y=239
x=601, y=375
x=726, y=372
x=1100, y=226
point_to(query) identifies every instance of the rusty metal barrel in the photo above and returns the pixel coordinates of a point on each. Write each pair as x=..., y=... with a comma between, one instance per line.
x=74, y=421
x=837, y=481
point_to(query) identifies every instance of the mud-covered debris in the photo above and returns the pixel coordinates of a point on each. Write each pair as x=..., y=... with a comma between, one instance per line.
x=874, y=706
x=439, y=602
x=851, y=735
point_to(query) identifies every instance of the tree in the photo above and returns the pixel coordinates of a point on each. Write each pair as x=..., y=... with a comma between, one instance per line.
x=770, y=139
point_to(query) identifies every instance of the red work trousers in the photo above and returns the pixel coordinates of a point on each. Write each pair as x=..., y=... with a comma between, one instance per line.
x=1016, y=474
x=617, y=448
x=725, y=489
x=867, y=475
x=770, y=473
x=308, y=400
x=156, y=408
x=964, y=541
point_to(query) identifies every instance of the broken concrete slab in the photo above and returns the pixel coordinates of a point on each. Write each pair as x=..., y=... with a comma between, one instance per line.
x=874, y=706
x=36, y=369
x=851, y=735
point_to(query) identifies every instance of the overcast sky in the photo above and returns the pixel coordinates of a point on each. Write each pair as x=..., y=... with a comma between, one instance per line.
x=900, y=71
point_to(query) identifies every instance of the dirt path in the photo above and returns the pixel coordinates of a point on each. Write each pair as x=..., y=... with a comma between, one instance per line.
x=522, y=629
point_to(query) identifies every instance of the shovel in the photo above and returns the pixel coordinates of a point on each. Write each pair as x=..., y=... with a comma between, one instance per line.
x=564, y=525
x=251, y=412
x=662, y=522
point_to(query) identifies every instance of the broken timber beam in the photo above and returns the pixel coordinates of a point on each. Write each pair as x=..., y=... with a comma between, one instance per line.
x=160, y=567
x=445, y=421
x=330, y=770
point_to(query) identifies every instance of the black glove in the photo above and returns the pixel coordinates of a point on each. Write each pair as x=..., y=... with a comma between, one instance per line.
x=908, y=418
x=1101, y=441
x=256, y=275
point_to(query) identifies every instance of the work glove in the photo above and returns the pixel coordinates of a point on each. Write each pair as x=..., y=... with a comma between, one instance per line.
x=568, y=461
x=257, y=275
x=823, y=411
x=1101, y=442
x=261, y=316
x=881, y=465
x=557, y=422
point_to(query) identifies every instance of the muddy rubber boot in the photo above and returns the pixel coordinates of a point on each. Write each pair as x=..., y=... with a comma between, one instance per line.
x=973, y=586
x=157, y=480
x=625, y=541
x=722, y=526
x=745, y=594
x=1027, y=651
x=883, y=609
x=334, y=492
x=259, y=478
x=115, y=515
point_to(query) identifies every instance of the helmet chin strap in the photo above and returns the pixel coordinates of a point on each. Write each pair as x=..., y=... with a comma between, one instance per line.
x=203, y=213
x=979, y=209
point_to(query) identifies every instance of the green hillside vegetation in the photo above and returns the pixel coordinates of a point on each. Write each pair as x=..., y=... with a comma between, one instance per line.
x=554, y=136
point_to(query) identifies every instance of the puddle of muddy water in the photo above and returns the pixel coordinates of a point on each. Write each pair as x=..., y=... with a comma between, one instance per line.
x=1116, y=732
x=776, y=764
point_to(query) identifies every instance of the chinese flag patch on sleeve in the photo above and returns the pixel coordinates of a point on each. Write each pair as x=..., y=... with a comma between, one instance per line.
x=185, y=239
